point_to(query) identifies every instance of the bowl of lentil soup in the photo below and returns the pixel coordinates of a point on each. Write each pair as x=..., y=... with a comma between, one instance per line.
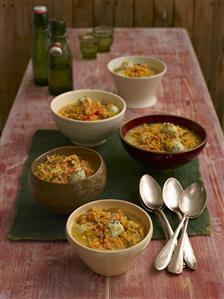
x=137, y=79
x=109, y=234
x=163, y=141
x=87, y=117
x=67, y=177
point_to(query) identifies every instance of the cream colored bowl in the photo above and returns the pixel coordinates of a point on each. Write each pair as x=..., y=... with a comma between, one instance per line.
x=87, y=133
x=110, y=263
x=138, y=92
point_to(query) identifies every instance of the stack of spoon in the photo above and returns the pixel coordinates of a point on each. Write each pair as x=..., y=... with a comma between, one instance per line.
x=188, y=203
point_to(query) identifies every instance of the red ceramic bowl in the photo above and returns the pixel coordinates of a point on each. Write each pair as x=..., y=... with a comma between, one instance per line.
x=163, y=161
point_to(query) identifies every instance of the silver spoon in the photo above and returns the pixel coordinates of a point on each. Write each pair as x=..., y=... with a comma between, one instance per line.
x=186, y=203
x=192, y=203
x=172, y=191
x=151, y=195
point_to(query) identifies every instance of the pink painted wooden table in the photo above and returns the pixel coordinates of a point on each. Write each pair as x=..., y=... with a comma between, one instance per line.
x=51, y=269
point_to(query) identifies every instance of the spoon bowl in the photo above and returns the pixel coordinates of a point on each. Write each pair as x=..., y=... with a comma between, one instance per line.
x=151, y=192
x=193, y=200
x=152, y=199
x=172, y=191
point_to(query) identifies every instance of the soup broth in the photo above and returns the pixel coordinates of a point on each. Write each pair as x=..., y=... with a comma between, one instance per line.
x=163, y=137
x=63, y=169
x=87, y=109
x=107, y=229
x=129, y=69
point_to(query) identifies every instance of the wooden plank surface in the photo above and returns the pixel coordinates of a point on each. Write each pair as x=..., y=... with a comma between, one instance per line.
x=163, y=16
x=64, y=10
x=184, y=15
x=123, y=13
x=3, y=92
x=217, y=57
x=203, y=30
x=7, y=55
x=143, y=13
x=103, y=12
x=83, y=13
x=210, y=27
x=51, y=270
x=23, y=36
x=202, y=18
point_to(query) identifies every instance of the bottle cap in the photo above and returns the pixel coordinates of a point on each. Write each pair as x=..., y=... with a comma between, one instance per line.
x=57, y=44
x=40, y=9
x=40, y=16
x=56, y=49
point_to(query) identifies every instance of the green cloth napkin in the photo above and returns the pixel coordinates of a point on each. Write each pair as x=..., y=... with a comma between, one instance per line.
x=35, y=222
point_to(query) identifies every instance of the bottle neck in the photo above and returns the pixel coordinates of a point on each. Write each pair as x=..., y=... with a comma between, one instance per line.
x=41, y=29
x=59, y=38
x=40, y=20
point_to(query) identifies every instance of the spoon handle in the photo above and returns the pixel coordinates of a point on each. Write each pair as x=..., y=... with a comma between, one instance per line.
x=164, y=256
x=163, y=225
x=189, y=256
x=166, y=223
x=176, y=263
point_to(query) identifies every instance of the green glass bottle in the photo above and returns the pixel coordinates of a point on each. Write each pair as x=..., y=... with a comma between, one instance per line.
x=40, y=45
x=60, y=74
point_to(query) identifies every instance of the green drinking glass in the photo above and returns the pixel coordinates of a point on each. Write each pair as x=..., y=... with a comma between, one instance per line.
x=104, y=35
x=88, y=45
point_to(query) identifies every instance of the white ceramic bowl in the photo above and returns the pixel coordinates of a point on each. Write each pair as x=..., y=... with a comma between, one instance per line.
x=87, y=133
x=138, y=92
x=110, y=263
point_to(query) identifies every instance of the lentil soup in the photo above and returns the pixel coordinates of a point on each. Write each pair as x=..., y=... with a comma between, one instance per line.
x=129, y=69
x=63, y=169
x=86, y=109
x=162, y=137
x=107, y=229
